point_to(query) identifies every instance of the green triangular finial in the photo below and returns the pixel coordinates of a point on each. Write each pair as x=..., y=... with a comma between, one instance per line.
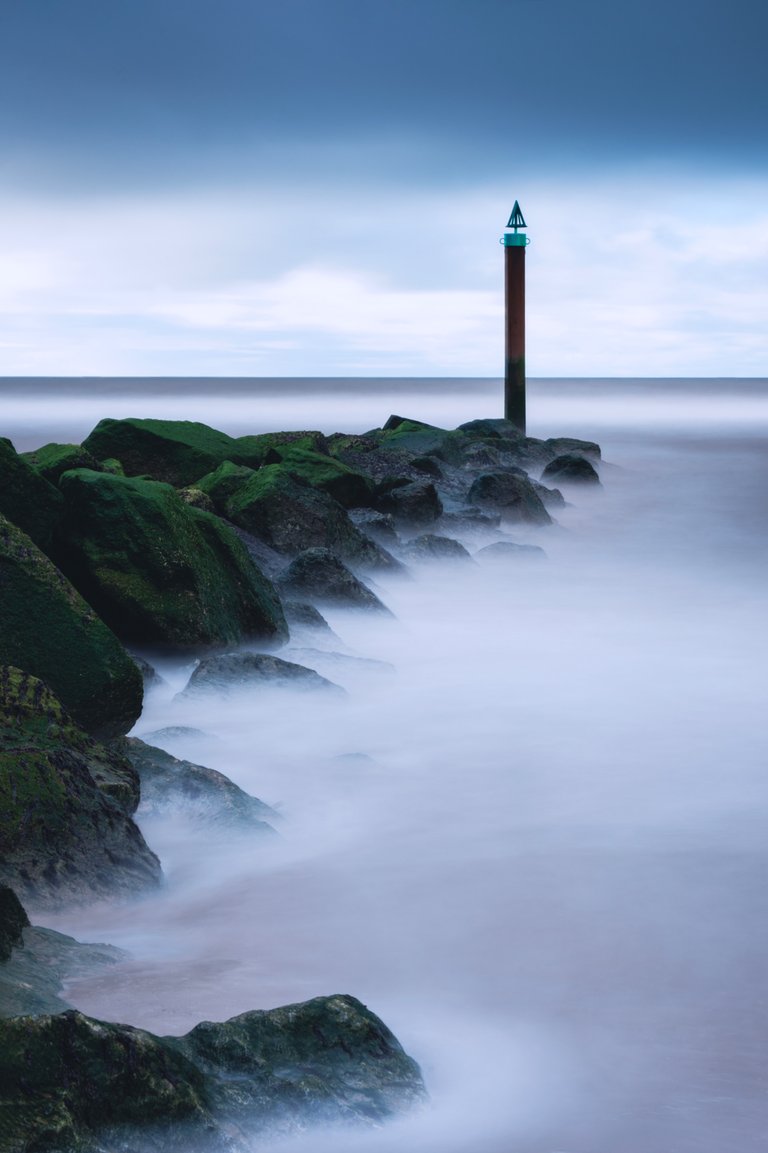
x=516, y=219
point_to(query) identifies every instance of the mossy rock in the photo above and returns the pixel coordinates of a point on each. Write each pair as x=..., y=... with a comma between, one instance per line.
x=72, y=1084
x=26, y=498
x=162, y=573
x=349, y=487
x=52, y=460
x=66, y=803
x=290, y=516
x=47, y=629
x=271, y=447
x=13, y=922
x=224, y=483
x=176, y=451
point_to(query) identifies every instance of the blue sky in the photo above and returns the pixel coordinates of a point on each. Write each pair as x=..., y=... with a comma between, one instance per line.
x=317, y=187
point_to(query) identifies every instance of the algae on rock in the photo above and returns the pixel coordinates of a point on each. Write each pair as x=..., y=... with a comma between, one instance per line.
x=48, y=630
x=161, y=573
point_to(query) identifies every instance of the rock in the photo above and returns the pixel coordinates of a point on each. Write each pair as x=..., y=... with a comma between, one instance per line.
x=503, y=550
x=47, y=629
x=493, y=429
x=550, y=497
x=350, y=488
x=13, y=921
x=176, y=451
x=512, y=493
x=380, y=526
x=288, y=515
x=412, y=502
x=149, y=674
x=561, y=445
x=52, y=460
x=201, y=795
x=570, y=468
x=470, y=519
x=66, y=802
x=196, y=498
x=72, y=1082
x=233, y=672
x=160, y=573
x=321, y=576
x=26, y=498
x=270, y=447
x=304, y=617
x=429, y=547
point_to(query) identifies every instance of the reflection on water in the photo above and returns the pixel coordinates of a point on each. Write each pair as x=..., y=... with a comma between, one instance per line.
x=547, y=873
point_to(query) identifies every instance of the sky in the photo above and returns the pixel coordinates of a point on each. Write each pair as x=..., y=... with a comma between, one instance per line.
x=318, y=187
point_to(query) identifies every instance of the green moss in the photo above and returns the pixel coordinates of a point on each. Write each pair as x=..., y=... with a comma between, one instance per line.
x=224, y=482
x=270, y=447
x=65, y=801
x=49, y=630
x=176, y=451
x=346, y=485
x=159, y=571
x=26, y=498
x=52, y=460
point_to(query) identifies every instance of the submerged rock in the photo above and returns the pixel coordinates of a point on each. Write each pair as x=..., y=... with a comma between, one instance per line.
x=504, y=550
x=48, y=630
x=228, y=672
x=66, y=802
x=159, y=572
x=72, y=1082
x=430, y=546
x=199, y=794
x=318, y=574
x=571, y=468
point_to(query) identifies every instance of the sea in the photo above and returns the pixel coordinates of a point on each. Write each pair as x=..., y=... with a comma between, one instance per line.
x=533, y=835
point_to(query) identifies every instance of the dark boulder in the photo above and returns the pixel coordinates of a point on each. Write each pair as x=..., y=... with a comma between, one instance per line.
x=304, y=617
x=66, y=802
x=289, y=515
x=346, y=485
x=562, y=445
x=176, y=451
x=320, y=576
x=26, y=498
x=380, y=526
x=571, y=468
x=200, y=795
x=13, y=922
x=512, y=493
x=270, y=447
x=233, y=672
x=47, y=629
x=71, y=1082
x=160, y=573
x=413, y=503
x=430, y=547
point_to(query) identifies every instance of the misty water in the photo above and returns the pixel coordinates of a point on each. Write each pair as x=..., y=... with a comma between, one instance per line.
x=533, y=838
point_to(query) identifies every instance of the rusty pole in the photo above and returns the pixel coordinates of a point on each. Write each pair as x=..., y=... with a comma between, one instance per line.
x=514, y=298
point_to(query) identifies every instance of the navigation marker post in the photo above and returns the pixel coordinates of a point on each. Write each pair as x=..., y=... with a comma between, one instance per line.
x=514, y=243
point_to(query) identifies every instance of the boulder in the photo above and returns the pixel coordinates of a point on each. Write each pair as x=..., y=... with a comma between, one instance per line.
x=571, y=468
x=430, y=547
x=233, y=672
x=176, y=451
x=161, y=573
x=512, y=493
x=304, y=617
x=52, y=460
x=66, y=803
x=270, y=447
x=72, y=1082
x=288, y=515
x=13, y=922
x=26, y=498
x=47, y=629
x=412, y=503
x=320, y=576
x=202, y=796
x=562, y=445
x=380, y=526
x=346, y=485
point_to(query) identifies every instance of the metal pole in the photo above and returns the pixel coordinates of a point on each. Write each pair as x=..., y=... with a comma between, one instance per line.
x=514, y=299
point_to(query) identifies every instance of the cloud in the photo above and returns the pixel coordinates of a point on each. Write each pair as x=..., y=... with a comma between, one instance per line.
x=271, y=280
